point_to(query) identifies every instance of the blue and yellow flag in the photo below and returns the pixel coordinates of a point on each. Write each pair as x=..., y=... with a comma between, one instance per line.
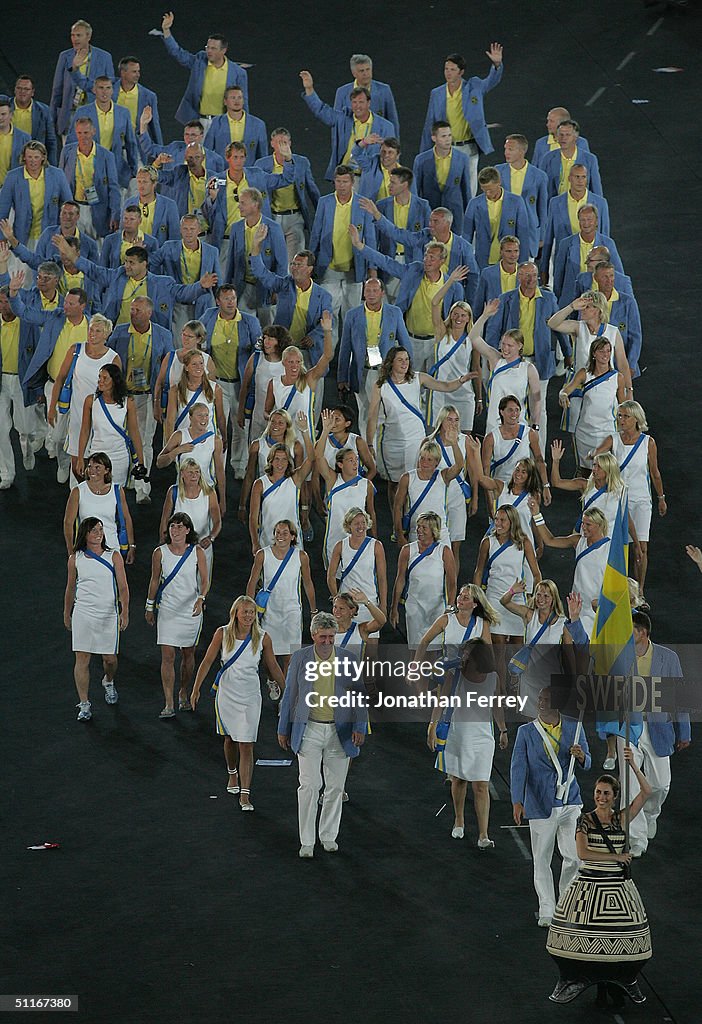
x=612, y=634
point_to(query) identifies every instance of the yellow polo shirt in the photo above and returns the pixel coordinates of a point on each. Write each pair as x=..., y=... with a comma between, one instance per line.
x=643, y=661
x=384, y=190
x=400, y=216
x=130, y=101
x=248, y=242
x=22, y=119
x=139, y=353
x=419, y=319
x=50, y=303
x=323, y=687
x=80, y=97
x=566, y=167
x=70, y=335
x=225, y=347
x=5, y=154
x=85, y=171
x=495, y=215
x=147, y=217
x=373, y=322
x=554, y=733
x=233, y=191
x=573, y=207
x=449, y=247
x=553, y=142
x=359, y=131
x=443, y=166
x=190, y=264
x=9, y=344
x=460, y=128
x=237, y=128
x=212, y=99
x=298, y=327
x=124, y=245
x=585, y=248
x=132, y=290
x=36, y=200
x=516, y=179
x=71, y=281
x=283, y=198
x=106, y=126
x=507, y=281
x=342, y=249
x=613, y=298
x=196, y=191
x=527, y=320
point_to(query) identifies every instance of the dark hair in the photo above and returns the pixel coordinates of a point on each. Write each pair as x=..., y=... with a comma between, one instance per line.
x=119, y=384
x=233, y=88
x=504, y=402
x=132, y=208
x=104, y=460
x=139, y=251
x=388, y=360
x=226, y=287
x=70, y=202
x=377, y=280
x=439, y=124
x=478, y=655
x=81, y=541
x=571, y=122
x=309, y=256
x=609, y=780
x=5, y=101
x=345, y=410
x=82, y=295
x=281, y=335
x=73, y=243
x=129, y=60
x=391, y=142
x=184, y=519
x=193, y=124
x=642, y=620
x=342, y=170
x=361, y=90
x=458, y=59
x=218, y=38
x=403, y=173
x=26, y=78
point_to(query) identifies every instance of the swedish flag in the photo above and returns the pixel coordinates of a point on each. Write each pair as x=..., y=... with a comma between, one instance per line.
x=613, y=634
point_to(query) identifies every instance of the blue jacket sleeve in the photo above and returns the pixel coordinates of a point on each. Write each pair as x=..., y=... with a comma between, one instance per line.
x=184, y=57
x=322, y=111
x=386, y=263
x=273, y=282
x=104, y=276
x=518, y=769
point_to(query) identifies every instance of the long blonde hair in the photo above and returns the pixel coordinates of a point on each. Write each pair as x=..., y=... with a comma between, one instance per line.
x=229, y=637
x=188, y=464
x=293, y=350
x=516, y=534
x=484, y=609
x=207, y=389
x=289, y=437
x=446, y=411
x=610, y=467
x=556, y=603
x=461, y=304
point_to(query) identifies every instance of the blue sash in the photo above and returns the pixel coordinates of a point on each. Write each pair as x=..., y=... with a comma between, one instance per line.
x=202, y=437
x=501, y=369
x=347, y=570
x=172, y=575
x=273, y=487
x=184, y=412
x=263, y=595
x=342, y=487
x=432, y=371
x=291, y=394
x=230, y=661
x=99, y=558
x=519, y=662
x=174, y=495
x=64, y=401
x=407, y=405
x=407, y=516
x=581, y=392
x=131, y=450
x=460, y=479
x=347, y=635
x=591, y=548
x=166, y=383
x=492, y=558
x=593, y=498
x=510, y=453
x=412, y=565
x=632, y=453
x=121, y=523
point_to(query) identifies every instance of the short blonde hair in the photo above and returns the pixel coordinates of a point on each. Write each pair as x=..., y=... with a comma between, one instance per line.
x=598, y=300
x=190, y=463
x=351, y=515
x=433, y=521
x=635, y=410
x=98, y=318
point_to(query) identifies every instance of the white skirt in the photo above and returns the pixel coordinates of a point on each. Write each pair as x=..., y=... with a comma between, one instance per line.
x=469, y=752
x=94, y=634
x=640, y=511
x=238, y=712
x=177, y=630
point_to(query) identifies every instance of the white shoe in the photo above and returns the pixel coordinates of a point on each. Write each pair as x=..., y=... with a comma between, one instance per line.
x=85, y=714
x=306, y=852
x=50, y=448
x=544, y=922
x=29, y=460
x=111, y=695
x=143, y=499
x=37, y=443
x=486, y=844
x=457, y=832
x=63, y=473
x=6, y=483
x=652, y=829
x=609, y=764
x=330, y=847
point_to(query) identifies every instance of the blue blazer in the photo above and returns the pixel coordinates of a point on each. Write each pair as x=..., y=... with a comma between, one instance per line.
x=535, y=195
x=541, y=149
x=249, y=333
x=514, y=220
x=164, y=292
x=417, y=218
x=622, y=282
x=145, y=98
x=489, y=288
x=474, y=90
x=305, y=186
x=189, y=107
x=19, y=139
x=124, y=145
x=255, y=138
x=294, y=711
x=50, y=323
x=551, y=166
x=558, y=223
x=161, y=341
x=341, y=124
x=215, y=211
x=626, y=317
x=43, y=128
x=461, y=254
x=89, y=287
x=382, y=102
x=14, y=195
x=284, y=286
x=46, y=250
x=544, y=339
x=166, y=223
x=322, y=230
x=410, y=276
x=63, y=89
x=177, y=178
x=28, y=335
x=352, y=354
x=274, y=255
x=532, y=775
x=456, y=194
x=111, y=248
x=371, y=172
x=167, y=260
x=663, y=729
x=150, y=151
x=566, y=266
x=104, y=179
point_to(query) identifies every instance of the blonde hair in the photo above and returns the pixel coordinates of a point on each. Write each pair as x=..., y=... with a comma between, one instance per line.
x=446, y=411
x=430, y=448
x=275, y=448
x=556, y=603
x=188, y=464
x=598, y=518
x=38, y=147
x=516, y=534
x=207, y=389
x=229, y=637
x=598, y=300
x=351, y=515
x=290, y=436
x=98, y=318
x=196, y=328
x=636, y=411
x=433, y=521
x=348, y=600
x=517, y=336
x=610, y=467
x=486, y=610
x=293, y=350
x=459, y=305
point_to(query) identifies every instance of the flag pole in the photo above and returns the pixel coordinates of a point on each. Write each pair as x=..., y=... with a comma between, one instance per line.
x=627, y=741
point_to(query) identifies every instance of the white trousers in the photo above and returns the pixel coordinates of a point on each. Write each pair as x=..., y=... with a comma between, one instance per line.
x=144, y=405
x=182, y=312
x=422, y=352
x=85, y=220
x=545, y=832
x=293, y=227
x=12, y=413
x=56, y=435
x=473, y=153
x=239, y=452
x=657, y=772
x=320, y=750
x=345, y=295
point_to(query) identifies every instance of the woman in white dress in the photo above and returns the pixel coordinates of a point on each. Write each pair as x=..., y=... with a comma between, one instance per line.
x=425, y=489
x=276, y=493
x=470, y=619
x=601, y=388
x=470, y=743
x=544, y=633
x=108, y=415
x=636, y=453
x=194, y=386
x=263, y=366
x=193, y=495
x=396, y=396
x=353, y=634
x=425, y=582
x=341, y=436
x=177, y=591
x=95, y=609
x=279, y=570
x=358, y=563
x=198, y=441
x=454, y=356
x=280, y=431
x=503, y=555
x=192, y=339
x=511, y=441
x=98, y=496
x=462, y=495
x=241, y=646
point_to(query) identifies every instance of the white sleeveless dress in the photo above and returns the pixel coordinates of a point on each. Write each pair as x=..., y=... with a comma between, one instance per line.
x=435, y=500
x=514, y=381
x=105, y=438
x=297, y=401
x=85, y=378
x=401, y=431
x=199, y=511
x=202, y=453
x=184, y=417
x=507, y=453
x=282, y=619
x=590, y=565
x=456, y=508
x=363, y=575
x=506, y=568
x=238, y=698
x=581, y=354
x=598, y=416
x=176, y=624
x=544, y=661
x=456, y=366
x=265, y=372
x=103, y=507
x=281, y=503
x=95, y=618
x=340, y=499
x=470, y=744
x=637, y=478
x=426, y=594
x=332, y=447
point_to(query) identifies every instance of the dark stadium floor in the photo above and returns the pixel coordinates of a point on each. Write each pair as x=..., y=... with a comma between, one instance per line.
x=163, y=902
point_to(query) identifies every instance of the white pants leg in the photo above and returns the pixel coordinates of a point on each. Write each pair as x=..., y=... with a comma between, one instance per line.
x=345, y=294
x=239, y=452
x=59, y=432
x=182, y=312
x=544, y=832
x=565, y=837
x=8, y=418
x=638, y=827
x=422, y=351
x=147, y=429
x=657, y=772
x=392, y=286
x=293, y=227
x=85, y=220
x=320, y=747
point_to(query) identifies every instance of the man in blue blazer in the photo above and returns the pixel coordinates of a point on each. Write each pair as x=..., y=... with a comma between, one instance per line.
x=68, y=218
x=357, y=370
x=477, y=224
x=382, y=99
x=623, y=313
x=129, y=93
x=376, y=170
x=33, y=117
x=97, y=189
x=402, y=208
x=323, y=735
x=567, y=264
x=70, y=277
x=548, y=143
x=192, y=132
x=83, y=57
x=122, y=143
x=18, y=138
x=570, y=152
x=467, y=119
x=222, y=127
x=187, y=182
x=498, y=279
x=600, y=254
x=179, y=260
x=253, y=295
x=544, y=788
x=116, y=244
x=525, y=180
x=15, y=195
x=293, y=211
x=442, y=174
x=560, y=208
x=159, y=213
x=347, y=128
x=195, y=102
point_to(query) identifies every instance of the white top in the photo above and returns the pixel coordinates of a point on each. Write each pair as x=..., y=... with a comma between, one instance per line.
x=264, y=450
x=583, y=342
x=598, y=409
x=607, y=503
x=434, y=501
x=363, y=575
x=455, y=633
x=96, y=589
x=521, y=503
x=181, y=593
x=265, y=372
x=636, y=475
x=282, y=503
x=200, y=400
x=396, y=416
x=502, y=448
x=175, y=371
x=105, y=438
x=506, y=568
x=242, y=676
x=202, y=453
x=506, y=382
x=340, y=499
x=103, y=507
x=588, y=576
x=197, y=508
x=302, y=401
x=331, y=448
x=84, y=383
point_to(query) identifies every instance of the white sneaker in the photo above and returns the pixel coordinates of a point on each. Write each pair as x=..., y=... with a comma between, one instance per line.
x=111, y=695
x=486, y=844
x=85, y=714
x=652, y=829
x=63, y=473
x=306, y=852
x=331, y=847
x=609, y=764
x=6, y=483
x=50, y=448
x=457, y=832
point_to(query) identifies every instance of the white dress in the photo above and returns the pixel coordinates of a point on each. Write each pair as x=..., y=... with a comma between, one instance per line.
x=282, y=619
x=426, y=593
x=544, y=661
x=459, y=492
x=176, y=624
x=199, y=511
x=95, y=618
x=264, y=447
x=85, y=378
x=175, y=370
x=332, y=447
x=590, y=565
x=202, y=453
x=606, y=501
x=502, y=382
x=598, y=414
x=350, y=641
x=287, y=396
x=507, y=567
x=103, y=507
x=362, y=576
x=183, y=418
x=283, y=502
x=105, y=439
x=341, y=497
x=401, y=431
x=507, y=453
x=435, y=500
x=455, y=366
x=238, y=697
x=582, y=344
x=265, y=372
x=637, y=478
x=455, y=634
x=521, y=503
x=470, y=744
